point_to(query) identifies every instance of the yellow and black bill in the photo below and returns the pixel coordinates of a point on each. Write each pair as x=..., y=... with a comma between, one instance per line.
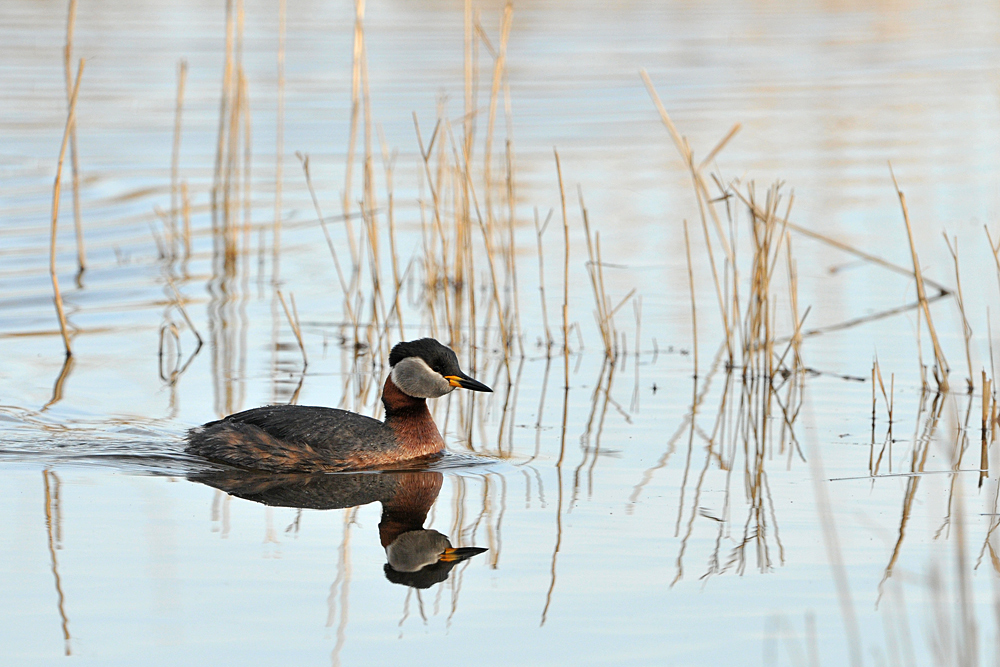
x=465, y=382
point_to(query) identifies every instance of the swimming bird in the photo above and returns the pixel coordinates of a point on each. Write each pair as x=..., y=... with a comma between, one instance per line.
x=293, y=438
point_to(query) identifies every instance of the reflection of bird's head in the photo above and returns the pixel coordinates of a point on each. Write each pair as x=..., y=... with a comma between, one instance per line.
x=425, y=368
x=422, y=558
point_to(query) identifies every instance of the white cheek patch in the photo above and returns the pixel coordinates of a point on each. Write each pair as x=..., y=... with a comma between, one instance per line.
x=415, y=378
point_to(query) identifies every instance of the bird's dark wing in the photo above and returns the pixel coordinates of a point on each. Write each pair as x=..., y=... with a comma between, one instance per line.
x=323, y=429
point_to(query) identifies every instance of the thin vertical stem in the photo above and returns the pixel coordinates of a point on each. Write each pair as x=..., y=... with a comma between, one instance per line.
x=694, y=310
x=56, y=191
x=74, y=159
x=565, y=306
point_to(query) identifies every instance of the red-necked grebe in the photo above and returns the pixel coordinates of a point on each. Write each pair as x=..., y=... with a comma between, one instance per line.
x=294, y=438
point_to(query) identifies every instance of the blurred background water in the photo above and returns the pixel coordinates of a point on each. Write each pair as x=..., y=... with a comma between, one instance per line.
x=640, y=517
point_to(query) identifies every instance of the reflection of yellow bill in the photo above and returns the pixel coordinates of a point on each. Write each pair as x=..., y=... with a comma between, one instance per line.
x=450, y=554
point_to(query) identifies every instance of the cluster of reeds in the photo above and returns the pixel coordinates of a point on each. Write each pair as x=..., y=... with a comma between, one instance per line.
x=461, y=285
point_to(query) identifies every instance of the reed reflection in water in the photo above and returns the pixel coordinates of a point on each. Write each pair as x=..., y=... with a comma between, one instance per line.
x=433, y=234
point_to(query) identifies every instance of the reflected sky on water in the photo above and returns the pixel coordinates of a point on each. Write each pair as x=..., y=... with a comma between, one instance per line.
x=640, y=517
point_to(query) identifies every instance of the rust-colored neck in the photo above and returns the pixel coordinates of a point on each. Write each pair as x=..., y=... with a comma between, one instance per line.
x=411, y=422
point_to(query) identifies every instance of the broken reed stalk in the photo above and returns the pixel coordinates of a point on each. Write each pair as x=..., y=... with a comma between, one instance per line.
x=942, y=365
x=56, y=191
x=966, y=329
x=81, y=257
x=293, y=322
x=175, y=156
x=565, y=305
x=694, y=309
x=279, y=147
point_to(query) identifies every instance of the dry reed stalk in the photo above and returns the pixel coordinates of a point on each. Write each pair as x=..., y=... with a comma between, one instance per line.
x=359, y=40
x=941, y=374
x=637, y=308
x=293, y=322
x=994, y=422
x=995, y=249
x=388, y=163
x=434, y=270
x=719, y=146
x=369, y=202
x=231, y=174
x=861, y=254
x=279, y=147
x=593, y=269
x=888, y=397
x=329, y=241
x=796, y=332
x=501, y=317
x=871, y=451
x=511, y=254
x=984, y=460
x=565, y=305
x=694, y=308
x=81, y=254
x=966, y=329
x=247, y=166
x=701, y=193
x=175, y=155
x=56, y=191
x=793, y=294
x=539, y=230
x=499, y=67
x=227, y=87
x=186, y=208
x=607, y=316
x=462, y=287
x=471, y=81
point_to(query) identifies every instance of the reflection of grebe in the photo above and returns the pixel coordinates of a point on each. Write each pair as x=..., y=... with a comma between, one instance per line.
x=292, y=438
x=416, y=556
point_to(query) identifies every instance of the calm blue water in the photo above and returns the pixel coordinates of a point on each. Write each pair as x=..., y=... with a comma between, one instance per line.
x=641, y=517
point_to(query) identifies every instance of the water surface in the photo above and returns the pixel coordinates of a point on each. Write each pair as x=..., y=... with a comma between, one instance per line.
x=641, y=517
